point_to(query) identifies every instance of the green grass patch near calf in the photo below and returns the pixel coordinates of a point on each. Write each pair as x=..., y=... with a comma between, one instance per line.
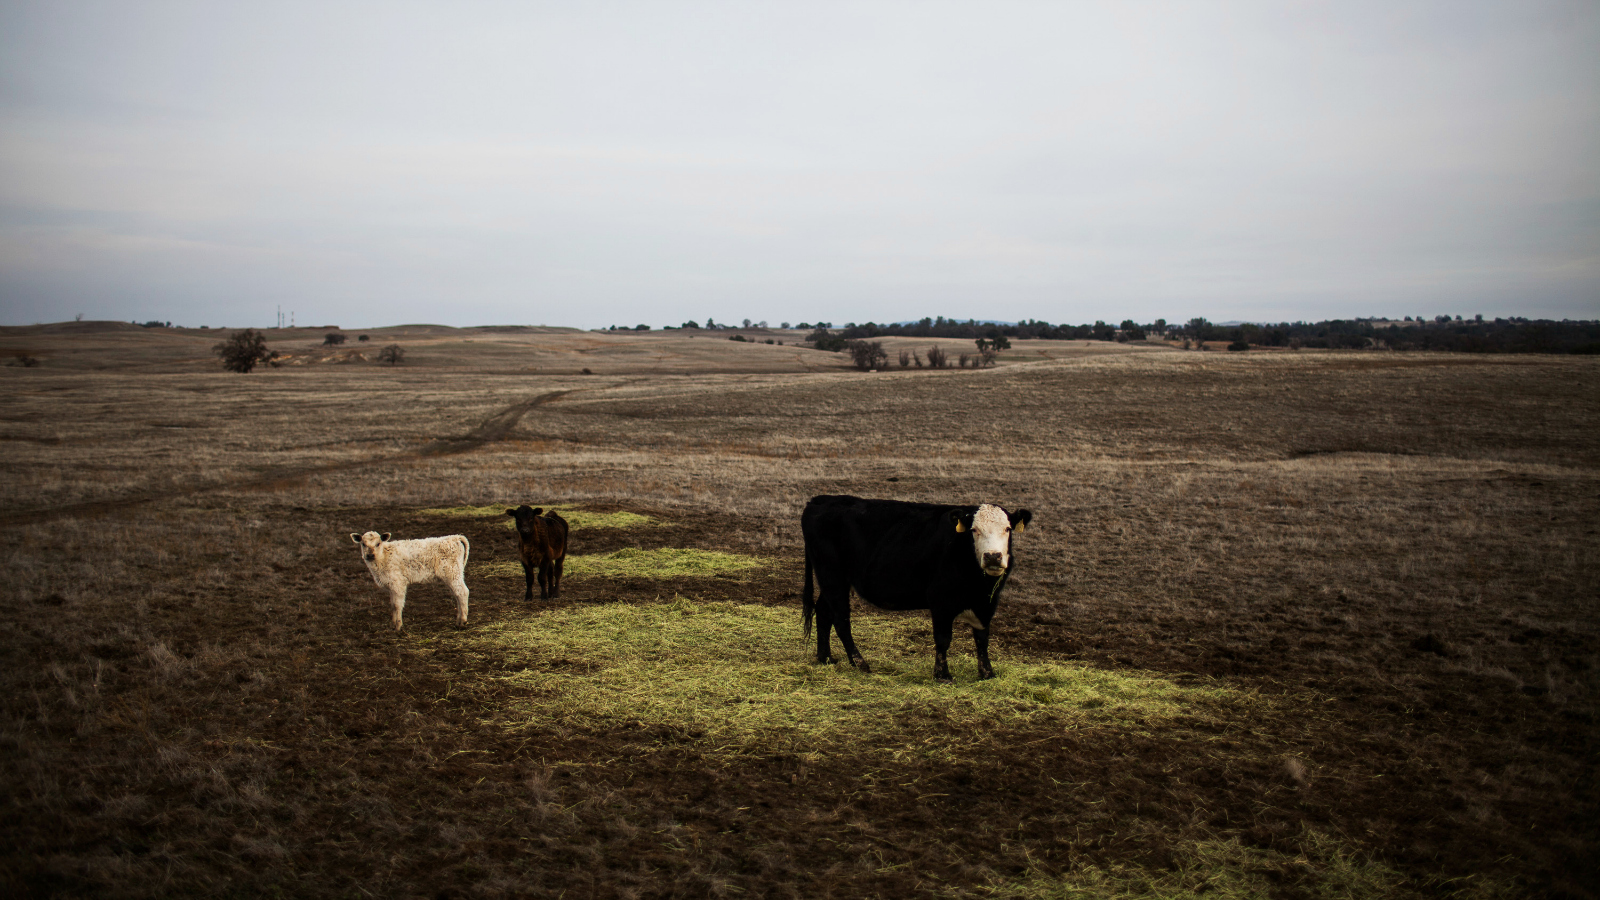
x=736, y=678
x=576, y=518
x=631, y=562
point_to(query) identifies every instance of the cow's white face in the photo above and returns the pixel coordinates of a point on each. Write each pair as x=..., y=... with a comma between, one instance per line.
x=991, y=539
x=371, y=545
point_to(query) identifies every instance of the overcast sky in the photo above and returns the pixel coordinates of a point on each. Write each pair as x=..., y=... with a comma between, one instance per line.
x=590, y=164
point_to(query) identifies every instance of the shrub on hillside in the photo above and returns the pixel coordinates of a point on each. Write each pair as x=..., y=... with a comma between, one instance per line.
x=391, y=354
x=244, y=350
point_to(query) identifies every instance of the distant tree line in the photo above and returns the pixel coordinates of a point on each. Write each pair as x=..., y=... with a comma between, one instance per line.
x=1475, y=335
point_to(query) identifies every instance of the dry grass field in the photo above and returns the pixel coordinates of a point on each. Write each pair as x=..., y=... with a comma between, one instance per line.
x=1284, y=625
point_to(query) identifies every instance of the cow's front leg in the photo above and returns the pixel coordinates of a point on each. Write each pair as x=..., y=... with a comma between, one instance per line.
x=544, y=580
x=943, y=627
x=980, y=639
x=527, y=574
x=397, y=605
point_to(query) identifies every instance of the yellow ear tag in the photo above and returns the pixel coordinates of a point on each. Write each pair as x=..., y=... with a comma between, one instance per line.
x=1019, y=528
x=961, y=527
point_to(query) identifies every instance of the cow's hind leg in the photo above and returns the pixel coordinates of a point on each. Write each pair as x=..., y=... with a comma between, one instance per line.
x=943, y=627
x=555, y=577
x=839, y=605
x=824, y=626
x=458, y=586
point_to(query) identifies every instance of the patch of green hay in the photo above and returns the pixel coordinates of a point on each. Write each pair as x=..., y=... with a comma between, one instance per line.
x=738, y=678
x=631, y=562
x=576, y=518
x=1227, y=870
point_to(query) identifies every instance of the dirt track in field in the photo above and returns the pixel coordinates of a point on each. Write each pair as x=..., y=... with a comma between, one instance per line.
x=494, y=428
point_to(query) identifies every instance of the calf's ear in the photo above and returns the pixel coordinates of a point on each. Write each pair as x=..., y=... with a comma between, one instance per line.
x=1020, y=520
x=961, y=521
x=355, y=537
x=537, y=510
x=512, y=513
x=385, y=535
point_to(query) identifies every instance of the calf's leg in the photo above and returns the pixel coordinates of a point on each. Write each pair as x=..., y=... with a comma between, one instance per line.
x=458, y=586
x=397, y=605
x=555, y=576
x=527, y=574
x=544, y=579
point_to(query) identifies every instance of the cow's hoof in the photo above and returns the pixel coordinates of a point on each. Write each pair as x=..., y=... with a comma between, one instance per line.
x=862, y=664
x=985, y=676
x=824, y=660
x=944, y=679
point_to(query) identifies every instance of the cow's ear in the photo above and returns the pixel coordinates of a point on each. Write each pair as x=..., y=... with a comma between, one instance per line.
x=1020, y=519
x=538, y=510
x=960, y=520
x=512, y=513
x=385, y=535
x=355, y=537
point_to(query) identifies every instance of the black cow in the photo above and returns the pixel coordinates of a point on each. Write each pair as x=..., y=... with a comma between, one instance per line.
x=543, y=547
x=949, y=560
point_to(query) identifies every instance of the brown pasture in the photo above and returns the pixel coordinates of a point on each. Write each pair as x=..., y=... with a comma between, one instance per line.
x=1393, y=557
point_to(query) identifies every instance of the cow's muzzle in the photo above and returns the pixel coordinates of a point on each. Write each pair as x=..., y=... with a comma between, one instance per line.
x=993, y=564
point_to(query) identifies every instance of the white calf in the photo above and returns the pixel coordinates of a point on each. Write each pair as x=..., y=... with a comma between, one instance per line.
x=397, y=565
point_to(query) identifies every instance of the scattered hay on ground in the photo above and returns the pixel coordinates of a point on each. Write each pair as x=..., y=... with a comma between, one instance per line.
x=1231, y=870
x=736, y=678
x=631, y=562
x=576, y=518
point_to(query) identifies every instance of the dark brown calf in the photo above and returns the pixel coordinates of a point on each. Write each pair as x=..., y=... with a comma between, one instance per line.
x=543, y=547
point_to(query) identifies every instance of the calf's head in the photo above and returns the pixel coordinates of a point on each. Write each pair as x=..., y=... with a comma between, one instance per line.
x=527, y=519
x=991, y=529
x=371, y=544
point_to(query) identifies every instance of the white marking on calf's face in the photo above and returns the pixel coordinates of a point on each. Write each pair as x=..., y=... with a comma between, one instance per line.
x=991, y=539
x=370, y=542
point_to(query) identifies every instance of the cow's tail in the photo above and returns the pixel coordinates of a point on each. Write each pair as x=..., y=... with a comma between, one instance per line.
x=466, y=548
x=807, y=605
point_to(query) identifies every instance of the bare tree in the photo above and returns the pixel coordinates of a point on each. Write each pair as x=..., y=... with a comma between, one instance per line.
x=391, y=354
x=905, y=358
x=868, y=355
x=937, y=359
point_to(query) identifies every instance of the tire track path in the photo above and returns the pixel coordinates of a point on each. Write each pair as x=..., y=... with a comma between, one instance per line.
x=495, y=428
